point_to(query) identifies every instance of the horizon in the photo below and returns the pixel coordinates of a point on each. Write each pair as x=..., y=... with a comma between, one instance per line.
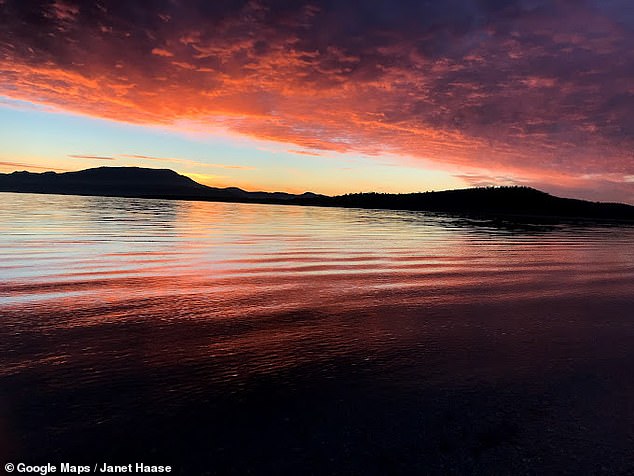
x=367, y=192
x=322, y=97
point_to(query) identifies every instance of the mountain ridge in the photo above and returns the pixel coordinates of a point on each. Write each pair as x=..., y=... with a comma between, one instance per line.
x=124, y=181
x=139, y=182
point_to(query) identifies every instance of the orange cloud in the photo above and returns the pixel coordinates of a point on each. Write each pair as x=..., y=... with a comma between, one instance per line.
x=162, y=52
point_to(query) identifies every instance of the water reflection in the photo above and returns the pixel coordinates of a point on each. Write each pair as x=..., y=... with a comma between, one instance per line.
x=345, y=340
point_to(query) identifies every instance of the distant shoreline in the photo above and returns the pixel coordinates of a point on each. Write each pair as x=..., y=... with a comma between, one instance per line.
x=513, y=203
x=490, y=215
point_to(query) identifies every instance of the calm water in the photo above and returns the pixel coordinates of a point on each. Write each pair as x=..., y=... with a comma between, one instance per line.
x=232, y=338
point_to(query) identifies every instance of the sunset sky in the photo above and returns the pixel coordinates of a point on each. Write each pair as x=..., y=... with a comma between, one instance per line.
x=327, y=96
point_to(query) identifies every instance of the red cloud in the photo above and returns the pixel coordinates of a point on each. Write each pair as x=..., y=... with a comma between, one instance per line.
x=64, y=11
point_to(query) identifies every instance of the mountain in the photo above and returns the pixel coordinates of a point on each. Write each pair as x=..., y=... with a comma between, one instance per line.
x=165, y=183
x=129, y=182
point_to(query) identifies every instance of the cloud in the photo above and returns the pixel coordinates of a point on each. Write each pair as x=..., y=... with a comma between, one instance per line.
x=520, y=88
x=28, y=166
x=91, y=157
x=63, y=11
x=186, y=162
x=24, y=105
x=162, y=159
x=305, y=152
x=162, y=52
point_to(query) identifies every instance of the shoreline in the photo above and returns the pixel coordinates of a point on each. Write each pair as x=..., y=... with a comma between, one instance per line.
x=518, y=218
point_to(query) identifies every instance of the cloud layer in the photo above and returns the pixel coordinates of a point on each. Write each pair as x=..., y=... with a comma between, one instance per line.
x=535, y=91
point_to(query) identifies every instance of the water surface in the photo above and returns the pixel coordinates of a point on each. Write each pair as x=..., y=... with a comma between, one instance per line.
x=239, y=338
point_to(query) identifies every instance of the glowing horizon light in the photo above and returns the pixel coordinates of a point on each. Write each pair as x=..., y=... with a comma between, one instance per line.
x=247, y=163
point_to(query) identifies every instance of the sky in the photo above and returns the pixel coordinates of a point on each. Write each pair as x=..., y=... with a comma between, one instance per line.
x=330, y=96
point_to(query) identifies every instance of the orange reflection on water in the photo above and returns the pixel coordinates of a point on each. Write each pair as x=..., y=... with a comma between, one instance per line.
x=275, y=285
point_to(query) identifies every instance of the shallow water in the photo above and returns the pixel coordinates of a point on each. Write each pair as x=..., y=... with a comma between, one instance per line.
x=238, y=338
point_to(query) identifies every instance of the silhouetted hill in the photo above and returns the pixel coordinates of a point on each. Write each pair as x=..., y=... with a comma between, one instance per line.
x=103, y=180
x=164, y=183
x=524, y=201
x=128, y=182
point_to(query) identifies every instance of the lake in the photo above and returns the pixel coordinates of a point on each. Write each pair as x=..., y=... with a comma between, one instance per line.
x=224, y=338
